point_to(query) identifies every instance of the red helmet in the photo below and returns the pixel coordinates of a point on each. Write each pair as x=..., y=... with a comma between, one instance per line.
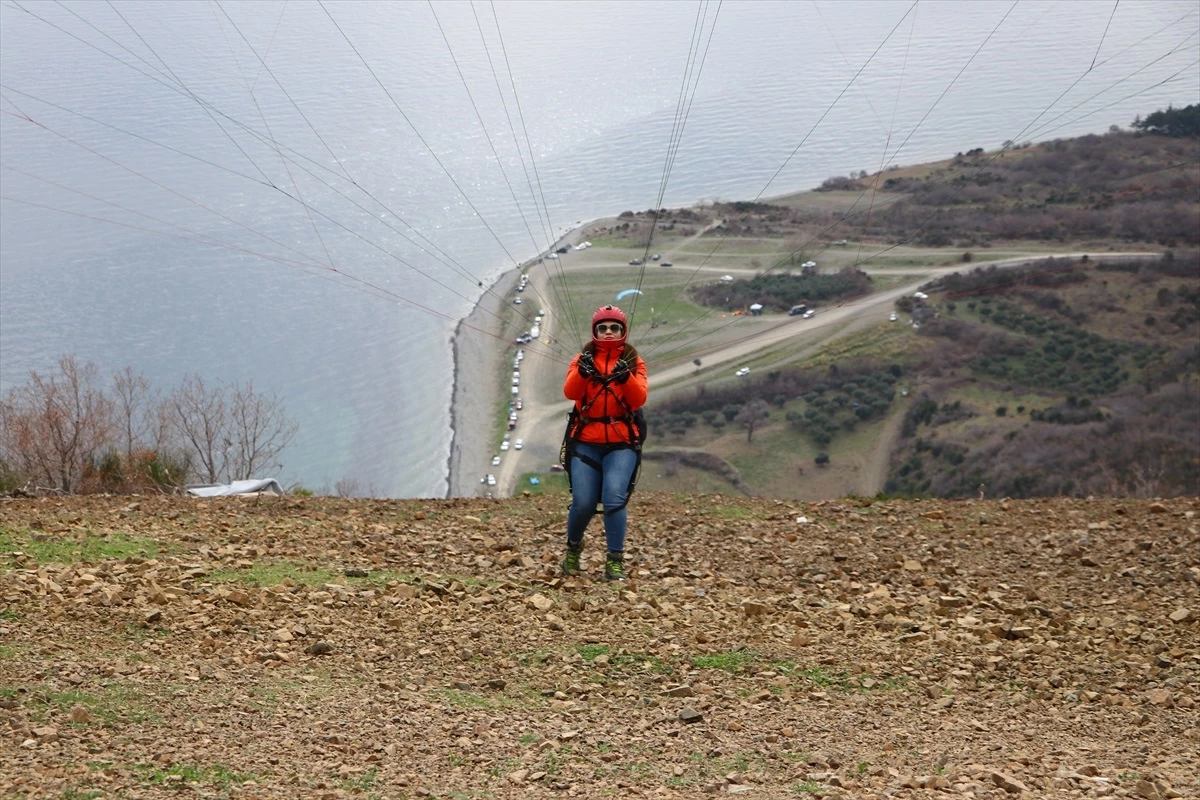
x=610, y=313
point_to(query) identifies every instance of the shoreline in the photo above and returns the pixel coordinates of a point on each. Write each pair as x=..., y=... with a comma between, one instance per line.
x=471, y=401
x=476, y=394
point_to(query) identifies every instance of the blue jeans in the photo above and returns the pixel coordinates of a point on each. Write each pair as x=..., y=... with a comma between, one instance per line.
x=607, y=484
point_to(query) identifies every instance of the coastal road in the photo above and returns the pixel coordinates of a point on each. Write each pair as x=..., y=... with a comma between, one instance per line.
x=543, y=418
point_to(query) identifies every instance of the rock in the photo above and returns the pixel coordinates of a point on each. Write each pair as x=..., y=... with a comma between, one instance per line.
x=689, y=716
x=678, y=691
x=912, y=565
x=356, y=572
x=540, y=602
x=282, y=635
x=497, y=683
x=1007, y=782
x=152, y=616
x=1157, y=508
x=518, y=777
x=752, y=609
x=1147, y=790
x=46, y=734
x=319, y=648
x=80, y=714
x=1181, y=615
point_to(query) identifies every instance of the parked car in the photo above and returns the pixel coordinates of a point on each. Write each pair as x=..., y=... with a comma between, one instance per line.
x=666, y=264
x=495, y=461
x=893, y=316
x=743, y=372
x=562, y=249
x=656, y=256
x=797, y=310
x=635, y=262
x=518, y=444
x=517, y=301
x=504, y=446
x=491, y=479
x=726, y=279
x=809, y=313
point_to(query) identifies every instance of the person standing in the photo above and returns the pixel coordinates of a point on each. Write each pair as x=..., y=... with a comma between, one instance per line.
x=605, y=431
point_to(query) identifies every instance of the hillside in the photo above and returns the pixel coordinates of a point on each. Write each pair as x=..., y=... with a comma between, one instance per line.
x=313, y=647
x=1068, y=376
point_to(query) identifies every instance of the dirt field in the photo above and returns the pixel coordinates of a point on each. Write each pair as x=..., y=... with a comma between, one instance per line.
x=327, y=648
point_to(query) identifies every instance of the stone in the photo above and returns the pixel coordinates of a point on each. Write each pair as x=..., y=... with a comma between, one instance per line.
x=678, y=691
x=518, y=777
x=752, y=609
x=80, y=714
x=1181, y=615
x=319, y=648
x=540, y=602
x=689, y=716
x=356, y=572
x=46, y=734
x=1007, y=782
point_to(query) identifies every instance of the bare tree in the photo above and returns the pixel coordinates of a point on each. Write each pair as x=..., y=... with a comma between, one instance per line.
x=231, y=432
x=200, y=418
x=52, y=428
x=753, y=415
x=135, y=403
x=260, y=430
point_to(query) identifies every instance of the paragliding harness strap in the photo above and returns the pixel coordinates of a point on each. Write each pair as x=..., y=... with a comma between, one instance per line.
x=635, y=421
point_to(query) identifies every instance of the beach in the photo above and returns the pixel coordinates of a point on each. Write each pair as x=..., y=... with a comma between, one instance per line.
x=477, y=360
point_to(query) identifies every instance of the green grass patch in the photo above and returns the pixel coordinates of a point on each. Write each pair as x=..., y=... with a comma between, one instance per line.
x=217, y=775
x=808, y=787
x=548, y=483
x=89, y=547
x=7, y=652
x=622, y=661
x=111, y=705
x=731, y=661
x=263, y=575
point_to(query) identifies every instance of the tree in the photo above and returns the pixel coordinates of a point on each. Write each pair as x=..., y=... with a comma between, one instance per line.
x=231, y=432
x=752, y=415
x=52, y=428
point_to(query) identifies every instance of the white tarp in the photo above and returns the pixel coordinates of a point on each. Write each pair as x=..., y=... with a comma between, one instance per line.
x=257, y=486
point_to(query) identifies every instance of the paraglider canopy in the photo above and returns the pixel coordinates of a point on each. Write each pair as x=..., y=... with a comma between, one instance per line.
x=628, y=292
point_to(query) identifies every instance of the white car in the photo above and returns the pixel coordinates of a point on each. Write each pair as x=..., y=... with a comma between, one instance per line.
x=920, y=295
x=809, y=264
x=552, y=255
x=743, y=372
x=495, y=461
x=541, y=312
x=518, y=444
x=491, y=480
x=893, y=317
x=726, y=279
x=808, y=314
x=503, y=446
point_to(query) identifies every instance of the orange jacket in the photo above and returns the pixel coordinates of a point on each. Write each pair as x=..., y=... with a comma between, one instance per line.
x=603, y=407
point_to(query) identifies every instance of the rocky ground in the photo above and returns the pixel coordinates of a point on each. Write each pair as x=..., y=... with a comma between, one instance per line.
x=326, y=648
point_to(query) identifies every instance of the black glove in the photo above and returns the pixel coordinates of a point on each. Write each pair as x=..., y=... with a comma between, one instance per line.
x=620, y=373
x=586, y=365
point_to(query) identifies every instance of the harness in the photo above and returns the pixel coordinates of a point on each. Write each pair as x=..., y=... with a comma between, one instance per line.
x=635, y=422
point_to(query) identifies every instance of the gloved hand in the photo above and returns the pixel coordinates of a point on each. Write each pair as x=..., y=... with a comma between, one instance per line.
x=620, y=373
x=586, y=365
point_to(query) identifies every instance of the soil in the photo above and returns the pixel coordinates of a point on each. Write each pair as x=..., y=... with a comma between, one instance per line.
x=328, y=648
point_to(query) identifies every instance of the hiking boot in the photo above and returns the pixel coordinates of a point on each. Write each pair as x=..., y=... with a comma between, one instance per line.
x=570, y=565
x=614, y=567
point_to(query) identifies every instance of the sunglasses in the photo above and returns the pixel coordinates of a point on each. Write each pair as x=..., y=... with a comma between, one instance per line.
x=615, y=327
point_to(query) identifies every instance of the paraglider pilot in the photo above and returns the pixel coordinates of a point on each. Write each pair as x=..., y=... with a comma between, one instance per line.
x=602, y=449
